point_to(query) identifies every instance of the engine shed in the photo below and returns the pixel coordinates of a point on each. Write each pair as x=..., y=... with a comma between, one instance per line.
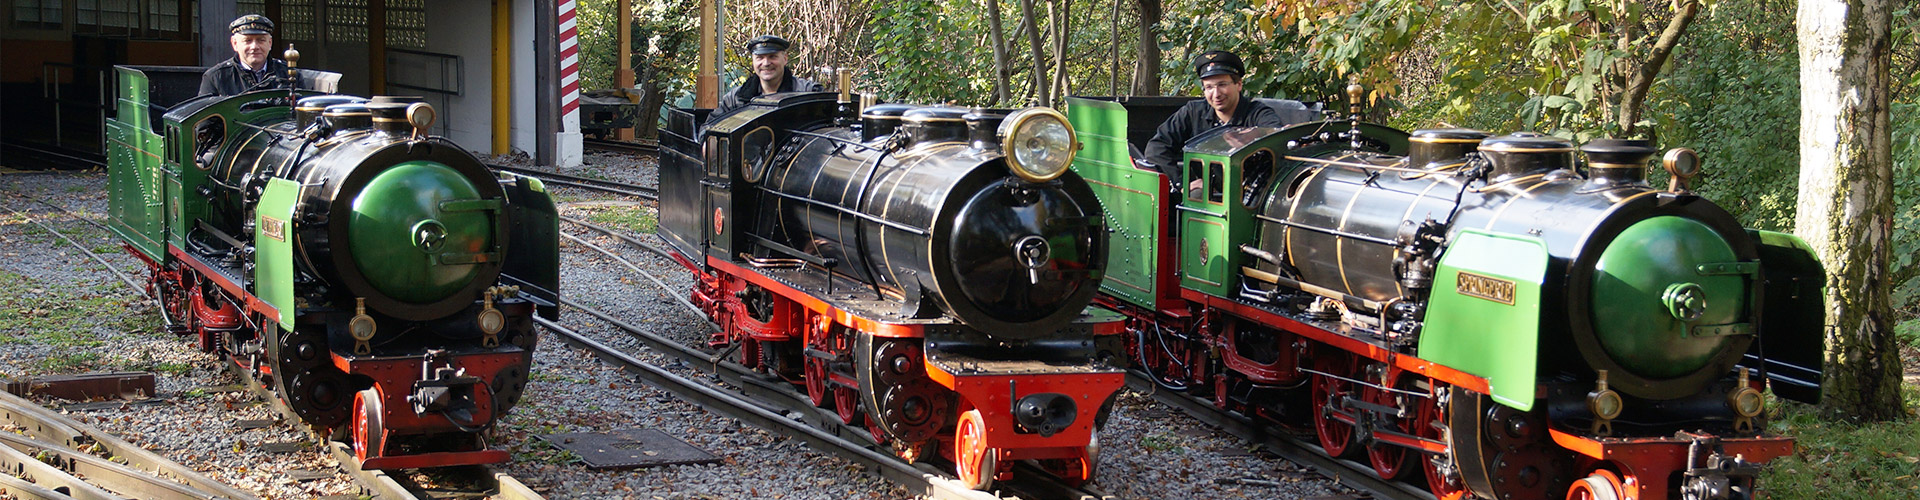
x=502, y=73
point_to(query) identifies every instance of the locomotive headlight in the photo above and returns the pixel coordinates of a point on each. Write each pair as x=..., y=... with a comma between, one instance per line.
x=1039, y=144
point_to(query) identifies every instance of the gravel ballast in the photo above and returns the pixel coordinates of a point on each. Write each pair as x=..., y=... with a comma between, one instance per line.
x=1147, y=450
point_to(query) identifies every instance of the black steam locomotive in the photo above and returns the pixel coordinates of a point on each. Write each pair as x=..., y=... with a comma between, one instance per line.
x=924, y=270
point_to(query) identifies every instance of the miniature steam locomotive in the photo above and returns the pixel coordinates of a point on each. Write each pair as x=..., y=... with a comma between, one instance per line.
x=1483, y=315
x=924, y=270
x=382, y=282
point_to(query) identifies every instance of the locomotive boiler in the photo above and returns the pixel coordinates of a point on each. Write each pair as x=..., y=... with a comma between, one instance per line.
x=1487, y=315
x=379, y=280
x=924, y=270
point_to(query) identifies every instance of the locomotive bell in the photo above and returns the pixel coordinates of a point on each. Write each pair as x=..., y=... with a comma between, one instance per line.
x=1526, y=153
x=1434, y=148
x=1618, y=161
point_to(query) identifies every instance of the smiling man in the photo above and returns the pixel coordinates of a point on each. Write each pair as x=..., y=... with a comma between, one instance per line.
x=1225, y=106
x=770, y=74
x=251, y=68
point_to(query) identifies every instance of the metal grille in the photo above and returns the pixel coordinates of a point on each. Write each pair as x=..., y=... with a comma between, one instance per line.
x=407, y=24
x=297, y=20
x=347, y=21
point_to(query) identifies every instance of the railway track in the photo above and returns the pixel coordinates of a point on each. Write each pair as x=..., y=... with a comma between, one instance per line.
x=1353, y=474
x=57, y=437
x=631, y=147
x=601, y=185
x=57, y=453
x=772, y=398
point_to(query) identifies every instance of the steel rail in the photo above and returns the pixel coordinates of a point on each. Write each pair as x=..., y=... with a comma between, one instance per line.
x=777, y=395
x=620, y=146
x=921, y=482
x=1353, y=474
x=119, y=479
x=601, y=185
x=96, y=257
x=45, y=425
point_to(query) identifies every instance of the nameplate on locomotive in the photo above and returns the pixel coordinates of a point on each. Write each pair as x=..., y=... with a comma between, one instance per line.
x=273, y=228
x=1490, y=288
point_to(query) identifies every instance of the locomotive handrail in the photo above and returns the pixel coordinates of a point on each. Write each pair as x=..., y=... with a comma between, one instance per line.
x=856, y=213
x=844, y=140
x=1361, y=166
x=1322, y=230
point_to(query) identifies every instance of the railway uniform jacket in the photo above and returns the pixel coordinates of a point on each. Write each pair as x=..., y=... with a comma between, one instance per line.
x=750, y=89
x=1197, y=117
x=230, y=77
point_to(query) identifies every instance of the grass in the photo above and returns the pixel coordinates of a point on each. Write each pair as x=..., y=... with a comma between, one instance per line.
x=73, y=320
x=632, y=218
x=68, y=362
x=1839, y=459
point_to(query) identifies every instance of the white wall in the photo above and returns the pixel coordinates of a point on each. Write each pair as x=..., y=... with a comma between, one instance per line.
x=464, y=28
x=523, y=72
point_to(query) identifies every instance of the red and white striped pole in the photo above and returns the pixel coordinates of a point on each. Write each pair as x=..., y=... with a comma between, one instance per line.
x=569, y=67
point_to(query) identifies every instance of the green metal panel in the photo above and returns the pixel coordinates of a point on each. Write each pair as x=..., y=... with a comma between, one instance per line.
x=1130, y=195
x=273, y=248
x=1484, y=317
x=135, y=204
x=1210, y=232
x=1662, y=308
x=418, y=231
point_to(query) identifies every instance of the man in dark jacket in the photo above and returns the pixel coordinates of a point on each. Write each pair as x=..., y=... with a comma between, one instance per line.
x=251, y=67
x=770, y=75
x=1225, y=106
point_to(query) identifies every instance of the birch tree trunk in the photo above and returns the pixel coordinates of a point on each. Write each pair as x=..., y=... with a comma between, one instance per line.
x=1146, y=69
x=1039, y=54
x=1846, y=198
x=999, y=40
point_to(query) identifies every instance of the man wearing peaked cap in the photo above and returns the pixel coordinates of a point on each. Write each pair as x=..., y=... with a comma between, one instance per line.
x=770, y=74
x=252, y=67
x=1220, y=75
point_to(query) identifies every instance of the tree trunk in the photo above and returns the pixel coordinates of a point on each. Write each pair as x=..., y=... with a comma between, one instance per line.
x=1846, y=201
x=1060, y=39
x=647, y=124
x=999, y=40
x=1039, y=54
x=1146, y=69
x=1636, y=91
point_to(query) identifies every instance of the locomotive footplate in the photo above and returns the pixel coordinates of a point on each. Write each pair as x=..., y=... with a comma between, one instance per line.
x=1046, y=403
x=1711, y=467
x=425, y=409
x=840, y=292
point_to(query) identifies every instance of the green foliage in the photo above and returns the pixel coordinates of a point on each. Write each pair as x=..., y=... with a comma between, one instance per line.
x=921, y=68
x=665, y=38
x=1840, y=459
x=1736, y=101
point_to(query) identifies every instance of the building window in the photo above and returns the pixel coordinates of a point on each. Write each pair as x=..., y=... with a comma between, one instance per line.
x=38, y=14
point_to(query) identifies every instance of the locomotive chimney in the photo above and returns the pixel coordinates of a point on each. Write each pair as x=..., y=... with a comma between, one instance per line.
x=1619, y=161
x=390, y=113
x=1526, y=153
x=983, y=127
x=1435, y=148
